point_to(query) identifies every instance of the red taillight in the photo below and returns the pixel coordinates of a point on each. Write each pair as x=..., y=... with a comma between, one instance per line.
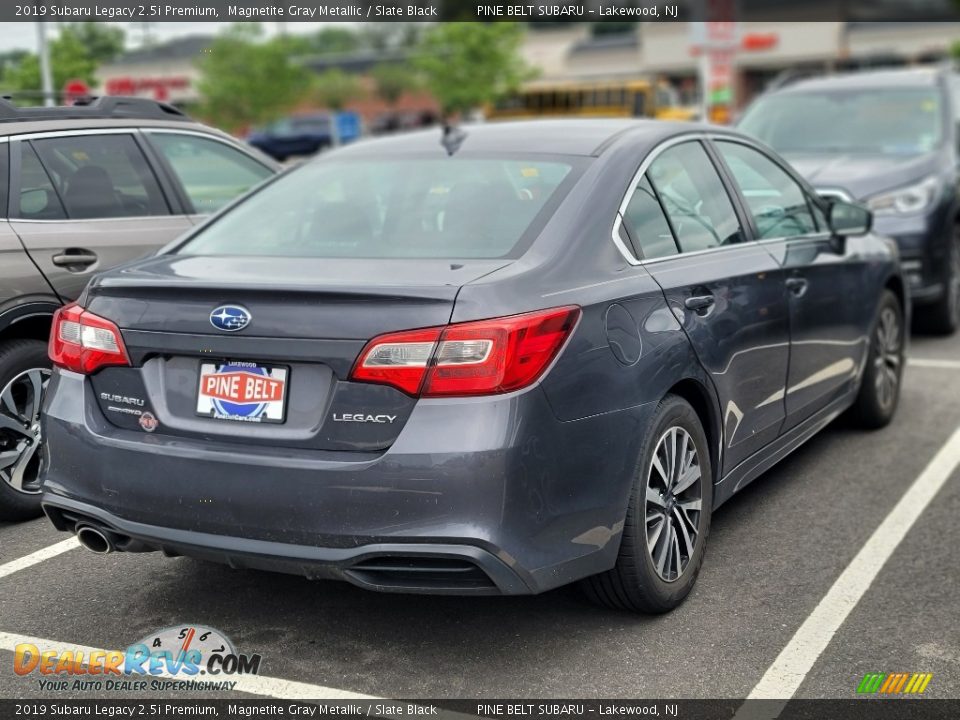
x=84, y=342
x=475, y=358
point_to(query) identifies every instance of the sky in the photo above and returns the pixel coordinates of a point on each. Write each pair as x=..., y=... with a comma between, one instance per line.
x=21, y=35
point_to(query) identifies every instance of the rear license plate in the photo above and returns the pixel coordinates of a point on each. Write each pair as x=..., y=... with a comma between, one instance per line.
x=242, y=391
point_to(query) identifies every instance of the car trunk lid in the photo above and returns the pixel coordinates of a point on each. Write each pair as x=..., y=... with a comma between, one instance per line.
x=309, y=320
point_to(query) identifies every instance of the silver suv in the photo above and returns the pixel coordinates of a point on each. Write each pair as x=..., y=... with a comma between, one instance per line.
x=82, y=189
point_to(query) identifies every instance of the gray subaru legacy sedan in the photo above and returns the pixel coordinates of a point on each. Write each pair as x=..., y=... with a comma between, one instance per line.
x=494, y=359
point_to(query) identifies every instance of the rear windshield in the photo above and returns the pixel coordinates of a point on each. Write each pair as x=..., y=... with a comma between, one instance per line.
x=405, y=207
x=887, y=121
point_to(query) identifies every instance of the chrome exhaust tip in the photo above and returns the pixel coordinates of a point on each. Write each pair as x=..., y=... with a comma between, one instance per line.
x=95, y=540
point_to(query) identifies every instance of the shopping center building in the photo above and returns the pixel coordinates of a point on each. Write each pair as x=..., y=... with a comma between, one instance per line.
x=768, y=52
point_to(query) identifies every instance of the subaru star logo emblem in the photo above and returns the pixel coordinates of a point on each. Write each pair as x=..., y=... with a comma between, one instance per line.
x=230, y=318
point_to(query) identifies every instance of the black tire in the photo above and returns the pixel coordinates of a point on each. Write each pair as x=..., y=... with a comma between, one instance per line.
x=943, y=317
x=16, y=358
x=879, y=392
x=634, y=583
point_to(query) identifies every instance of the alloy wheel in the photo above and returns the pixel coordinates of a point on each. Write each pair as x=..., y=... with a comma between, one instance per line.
x=673, y=503
x=20, y=435
x=888, y=357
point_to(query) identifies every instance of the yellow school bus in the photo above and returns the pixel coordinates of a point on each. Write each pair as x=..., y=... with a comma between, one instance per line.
x=623, y=98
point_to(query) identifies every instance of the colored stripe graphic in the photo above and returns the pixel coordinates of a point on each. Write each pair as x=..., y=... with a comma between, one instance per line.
x=871, y=682
x=894, y=683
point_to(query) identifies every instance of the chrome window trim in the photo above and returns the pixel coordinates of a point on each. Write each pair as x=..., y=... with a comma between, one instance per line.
x=139, y=130
x=216, y=137
x=779, y=162
x=618, y=241
x=838, y=193
x=632, y=187
x=705, y=251
x=132, y=131
x=638, y=176
x=72, y=133
x=99, y=220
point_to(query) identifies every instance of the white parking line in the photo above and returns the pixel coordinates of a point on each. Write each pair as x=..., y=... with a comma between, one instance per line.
x=253, y=684
x=934, y=363
x=38, y=556
x=788, y=671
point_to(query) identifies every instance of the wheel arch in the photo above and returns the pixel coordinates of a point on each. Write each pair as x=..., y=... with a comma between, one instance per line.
x=895, y=285
x=28, y=318
x=695, y=392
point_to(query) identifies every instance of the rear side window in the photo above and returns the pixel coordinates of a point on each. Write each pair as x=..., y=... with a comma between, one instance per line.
x=211, y=172
x=695, y=198
x=99, y=176
x=777, y=203
x=647, y=223
x=409, y=207
x=37, y=199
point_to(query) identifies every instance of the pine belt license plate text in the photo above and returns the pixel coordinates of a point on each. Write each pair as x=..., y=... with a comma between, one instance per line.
x=242, y=391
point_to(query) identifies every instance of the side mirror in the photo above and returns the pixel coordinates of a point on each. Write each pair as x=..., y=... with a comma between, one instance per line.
x=846, y=219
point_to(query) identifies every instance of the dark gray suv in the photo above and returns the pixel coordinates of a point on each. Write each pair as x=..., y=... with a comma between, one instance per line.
x=82, y=189
x=888, y=139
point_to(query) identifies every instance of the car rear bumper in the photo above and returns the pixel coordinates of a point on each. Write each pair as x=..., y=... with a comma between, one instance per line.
x=487, y=495
x=389, y=567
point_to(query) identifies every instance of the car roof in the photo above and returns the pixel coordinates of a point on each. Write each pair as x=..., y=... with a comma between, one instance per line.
x=21, y=127
x=555, y=137
x=105, y=111
x=912, y=77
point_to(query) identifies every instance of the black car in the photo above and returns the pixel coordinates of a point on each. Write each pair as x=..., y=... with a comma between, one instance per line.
x=491, y=360
x=294, y=136
x=887, y=139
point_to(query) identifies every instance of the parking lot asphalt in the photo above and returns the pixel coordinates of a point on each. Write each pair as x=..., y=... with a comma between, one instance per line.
x=775, y=551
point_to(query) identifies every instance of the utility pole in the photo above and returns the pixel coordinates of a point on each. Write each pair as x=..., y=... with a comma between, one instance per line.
x=46, y=75
x=146, y=34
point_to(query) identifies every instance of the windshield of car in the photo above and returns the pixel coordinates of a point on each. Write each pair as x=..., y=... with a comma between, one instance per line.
x=409, y=207
x=887, y=121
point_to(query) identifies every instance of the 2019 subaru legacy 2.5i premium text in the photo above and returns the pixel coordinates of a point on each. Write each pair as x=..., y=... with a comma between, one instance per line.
x=522, y=356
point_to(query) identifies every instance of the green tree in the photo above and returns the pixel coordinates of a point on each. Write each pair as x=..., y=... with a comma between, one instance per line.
x=103, y=42
x=76, y=53
x=334, y=40
x=392, y=81
x=466, y=65
x=247, y=80
x=10, y=61
x=334, y=88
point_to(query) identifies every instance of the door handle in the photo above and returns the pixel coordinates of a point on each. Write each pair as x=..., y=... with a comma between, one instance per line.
x=76, y=258
x=797, y=285
x=699, y=303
